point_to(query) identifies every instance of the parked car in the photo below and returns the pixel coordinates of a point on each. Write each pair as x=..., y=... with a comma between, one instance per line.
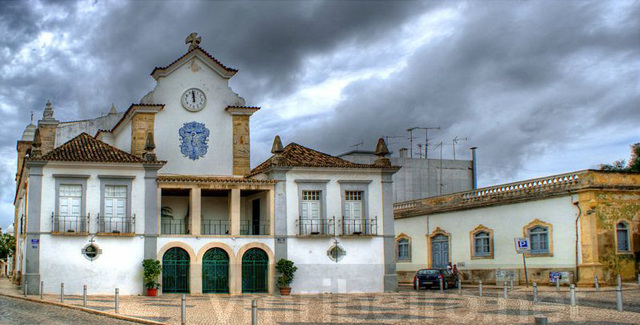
x=427, y=278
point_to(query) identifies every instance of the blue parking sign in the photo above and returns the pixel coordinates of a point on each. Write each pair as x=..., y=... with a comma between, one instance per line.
x=522, y=245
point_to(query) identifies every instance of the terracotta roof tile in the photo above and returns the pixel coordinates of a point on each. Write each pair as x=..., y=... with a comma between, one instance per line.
x=295, y=155
x=85, y=148
x=228, y=69
x=210, y=179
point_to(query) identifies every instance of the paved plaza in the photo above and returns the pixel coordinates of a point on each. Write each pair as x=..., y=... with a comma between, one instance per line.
x=404, y=307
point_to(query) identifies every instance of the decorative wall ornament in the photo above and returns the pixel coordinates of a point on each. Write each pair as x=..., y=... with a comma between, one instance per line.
x=91, y=251
x=336, y=253
x=193, y=140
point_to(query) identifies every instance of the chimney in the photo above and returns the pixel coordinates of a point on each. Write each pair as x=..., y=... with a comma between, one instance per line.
x=47, y=127
x=403, y=152
x=474, y=170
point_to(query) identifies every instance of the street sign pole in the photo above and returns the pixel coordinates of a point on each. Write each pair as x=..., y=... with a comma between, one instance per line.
x=522, y=247
x=526, y=278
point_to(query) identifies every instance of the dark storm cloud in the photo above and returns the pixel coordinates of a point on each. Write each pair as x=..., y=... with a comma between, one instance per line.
x=515, y=79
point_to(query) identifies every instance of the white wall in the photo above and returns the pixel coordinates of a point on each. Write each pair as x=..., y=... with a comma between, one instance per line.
x=219, y=157
x=119, y=265
x=362, y=268
x=507, y=222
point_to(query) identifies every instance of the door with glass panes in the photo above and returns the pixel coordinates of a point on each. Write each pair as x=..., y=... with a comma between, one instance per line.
x=353, y=216
x=311, y=220
x=115, y=219
x=69, y=209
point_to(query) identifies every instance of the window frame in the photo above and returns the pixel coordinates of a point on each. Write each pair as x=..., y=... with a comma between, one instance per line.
x=71, y=179
x=397, y=241
x=472, y=243
x=526, y=230
x=313, y=185
x=629, y=237
x=116, y=180
x=355, y=186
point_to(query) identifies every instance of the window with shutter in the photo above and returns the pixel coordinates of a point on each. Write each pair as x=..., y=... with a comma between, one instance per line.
x=70, y=197
x=539, y=237
x=115, y=201
x=622, y=233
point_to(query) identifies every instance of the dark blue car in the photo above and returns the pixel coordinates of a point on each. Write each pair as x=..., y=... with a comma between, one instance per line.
x=427, y=278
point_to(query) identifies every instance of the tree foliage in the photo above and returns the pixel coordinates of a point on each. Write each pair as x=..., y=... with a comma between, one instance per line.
x=7, y=245
x=620, y=166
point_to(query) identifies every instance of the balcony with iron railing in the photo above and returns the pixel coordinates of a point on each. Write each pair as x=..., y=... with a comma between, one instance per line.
x=359, y=226
x=170, y=226
x=255, y=228
x=319, y=227
x=214, y=227
x=116, y=226
x=69, y=225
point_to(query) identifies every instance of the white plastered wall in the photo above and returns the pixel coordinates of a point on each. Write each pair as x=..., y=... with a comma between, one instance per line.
x=507, y=222
x=362, y=268
x=61, y=260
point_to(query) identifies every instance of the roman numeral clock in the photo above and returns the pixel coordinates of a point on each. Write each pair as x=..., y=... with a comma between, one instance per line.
x=194, y=135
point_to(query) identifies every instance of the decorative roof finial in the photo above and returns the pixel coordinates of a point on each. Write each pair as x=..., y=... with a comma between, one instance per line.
x=113, y=109
x=149, y=147
x=381, y=152
x=276, y=150
x=48, y=111
x=31, y=118
x=193, y=40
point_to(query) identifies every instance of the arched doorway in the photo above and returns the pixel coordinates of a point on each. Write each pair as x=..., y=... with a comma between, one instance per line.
x=440, y=251
x=175, y=271
x=255, y=271
x=215, y=271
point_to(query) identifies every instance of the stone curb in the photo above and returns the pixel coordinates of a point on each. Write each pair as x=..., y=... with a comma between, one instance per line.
x=87, y=310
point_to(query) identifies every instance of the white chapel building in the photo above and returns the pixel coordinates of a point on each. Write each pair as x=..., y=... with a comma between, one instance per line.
x=170, y=179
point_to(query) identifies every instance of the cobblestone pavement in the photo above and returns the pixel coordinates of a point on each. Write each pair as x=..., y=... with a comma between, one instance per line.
x=404, y=307
x=15, y=311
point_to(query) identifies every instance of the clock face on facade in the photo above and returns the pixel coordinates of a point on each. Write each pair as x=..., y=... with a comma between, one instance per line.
x=194, y=100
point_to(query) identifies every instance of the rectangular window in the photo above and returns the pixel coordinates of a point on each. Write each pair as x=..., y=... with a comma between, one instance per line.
x=539, y=241
x=623, y=243
x=311, y=204
x=482, y=246
x=353, y=205
x=115, y=201
x=70, y=198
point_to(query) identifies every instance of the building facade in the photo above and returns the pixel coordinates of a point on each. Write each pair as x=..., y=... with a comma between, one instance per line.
x=421, y=178
x=170, y=179
x=580, y=225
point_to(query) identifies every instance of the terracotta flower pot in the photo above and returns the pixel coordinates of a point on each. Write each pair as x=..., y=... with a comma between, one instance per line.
x=285, y=291
x=152, y=292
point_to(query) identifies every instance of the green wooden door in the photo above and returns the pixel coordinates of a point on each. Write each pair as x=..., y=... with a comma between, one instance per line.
x=255, y=271
x=175, y=271
x=215, y=271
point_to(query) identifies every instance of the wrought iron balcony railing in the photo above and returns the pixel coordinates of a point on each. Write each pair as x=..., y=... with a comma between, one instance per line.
x=69, y=224
x=251, y=228
x=313, y=226
x=215, y=227
x=117, y=225
x=170, y=226
x=360, y=226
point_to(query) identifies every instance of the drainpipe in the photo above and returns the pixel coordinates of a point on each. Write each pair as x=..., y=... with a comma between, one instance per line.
x=474, y=173
x=577, y=276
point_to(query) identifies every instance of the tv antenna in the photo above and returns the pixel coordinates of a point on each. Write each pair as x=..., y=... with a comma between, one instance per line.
x=357, y=145
x=426, y=138
x=453, y=144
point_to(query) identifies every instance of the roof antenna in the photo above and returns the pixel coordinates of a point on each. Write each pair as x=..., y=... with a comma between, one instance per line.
x=31, y=118
x=357, y=145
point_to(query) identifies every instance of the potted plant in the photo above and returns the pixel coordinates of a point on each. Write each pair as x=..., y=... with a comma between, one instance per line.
x=151, y=269
x=287, y=271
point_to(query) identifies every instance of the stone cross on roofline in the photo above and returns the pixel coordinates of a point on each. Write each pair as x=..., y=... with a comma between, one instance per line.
x=193, y=40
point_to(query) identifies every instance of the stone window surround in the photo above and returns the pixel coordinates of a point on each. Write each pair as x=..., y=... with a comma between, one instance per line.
x=629, y=237
x=313, y=185
x=472, y=242
x=398, y=238
x=536, y=223
x=71, y=179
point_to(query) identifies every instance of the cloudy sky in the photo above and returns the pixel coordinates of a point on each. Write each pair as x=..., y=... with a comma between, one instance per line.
x=541, y=87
